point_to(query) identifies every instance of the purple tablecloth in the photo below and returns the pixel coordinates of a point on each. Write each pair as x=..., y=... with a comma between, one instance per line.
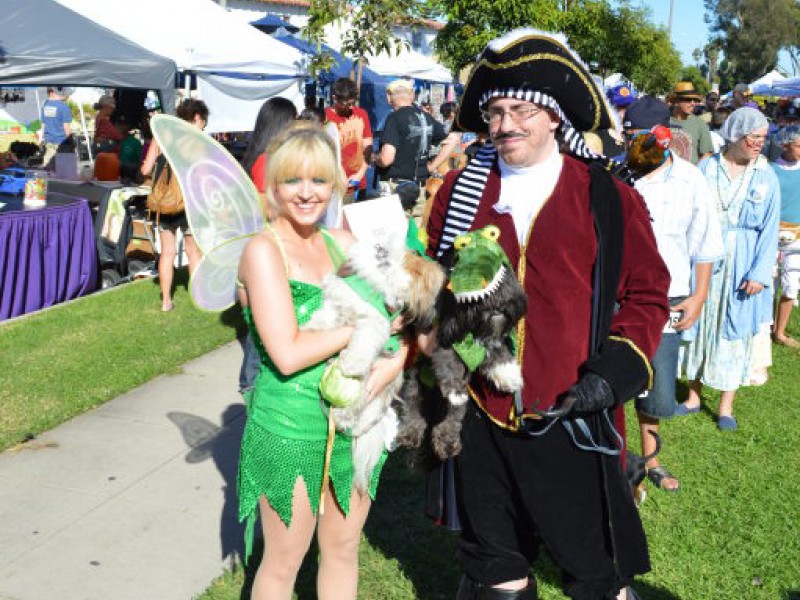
x=47, y=255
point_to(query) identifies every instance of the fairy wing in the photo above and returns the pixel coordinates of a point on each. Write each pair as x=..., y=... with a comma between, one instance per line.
x=222, y=206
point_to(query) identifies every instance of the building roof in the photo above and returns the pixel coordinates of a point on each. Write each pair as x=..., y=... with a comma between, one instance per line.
x=305, y=3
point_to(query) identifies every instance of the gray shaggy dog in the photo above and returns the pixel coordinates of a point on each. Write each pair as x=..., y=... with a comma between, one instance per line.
x=489, y=316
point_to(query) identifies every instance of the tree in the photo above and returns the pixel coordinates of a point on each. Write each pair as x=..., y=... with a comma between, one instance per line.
x=711, y=54
x=609, y=39
x=695, y=75
x=750, y=33
x=370, y=24
x=471, y=24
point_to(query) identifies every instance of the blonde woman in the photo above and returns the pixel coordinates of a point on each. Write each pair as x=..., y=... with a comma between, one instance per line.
x=283, y=469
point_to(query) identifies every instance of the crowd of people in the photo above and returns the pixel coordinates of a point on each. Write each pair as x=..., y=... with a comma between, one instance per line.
x=686, y=265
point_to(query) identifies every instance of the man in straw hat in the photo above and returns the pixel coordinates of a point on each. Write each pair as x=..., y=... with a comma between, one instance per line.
x=684, y=99
x=544, y=466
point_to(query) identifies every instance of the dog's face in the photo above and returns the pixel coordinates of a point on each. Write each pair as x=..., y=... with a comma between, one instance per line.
x=492, y=316
x=380, y=263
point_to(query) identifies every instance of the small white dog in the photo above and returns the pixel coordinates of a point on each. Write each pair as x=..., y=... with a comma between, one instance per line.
x=403, y=281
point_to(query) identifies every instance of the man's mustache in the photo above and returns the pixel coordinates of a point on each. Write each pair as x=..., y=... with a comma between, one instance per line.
x=510, y=135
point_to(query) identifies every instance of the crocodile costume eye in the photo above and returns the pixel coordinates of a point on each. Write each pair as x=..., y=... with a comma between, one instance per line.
x=462, y=241
x=491, y=232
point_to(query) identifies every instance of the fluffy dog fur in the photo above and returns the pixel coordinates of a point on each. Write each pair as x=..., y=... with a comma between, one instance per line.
x=406, y=281
x=490, y=320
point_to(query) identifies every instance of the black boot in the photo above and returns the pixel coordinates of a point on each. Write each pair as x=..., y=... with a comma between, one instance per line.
x=469, y=589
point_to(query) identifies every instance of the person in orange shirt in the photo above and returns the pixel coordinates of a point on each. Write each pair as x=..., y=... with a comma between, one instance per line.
x=355, y=134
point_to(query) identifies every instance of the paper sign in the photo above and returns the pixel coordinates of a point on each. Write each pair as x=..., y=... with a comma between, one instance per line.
x=376, y=219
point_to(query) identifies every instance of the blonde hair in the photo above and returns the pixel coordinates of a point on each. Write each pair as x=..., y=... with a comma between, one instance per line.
x=300, y=145
x=400, y=86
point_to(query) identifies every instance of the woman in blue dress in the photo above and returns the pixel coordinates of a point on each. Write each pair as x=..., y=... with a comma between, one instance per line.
x=747, y=195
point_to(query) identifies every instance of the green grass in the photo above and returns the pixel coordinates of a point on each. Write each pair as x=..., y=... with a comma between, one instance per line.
x=732, y=533
x=59, y=363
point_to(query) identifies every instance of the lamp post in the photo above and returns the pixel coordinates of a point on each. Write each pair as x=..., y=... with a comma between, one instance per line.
x=669, y=28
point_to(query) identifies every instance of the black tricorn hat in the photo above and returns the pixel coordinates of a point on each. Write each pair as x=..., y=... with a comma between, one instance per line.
x=535, y=61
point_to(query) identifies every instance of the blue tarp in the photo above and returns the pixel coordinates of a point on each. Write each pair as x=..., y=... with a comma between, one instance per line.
x=270, y=23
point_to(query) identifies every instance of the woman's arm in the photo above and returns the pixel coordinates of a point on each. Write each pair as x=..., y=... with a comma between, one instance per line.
x=150, y=158
x=270, y=300
x=766, y=246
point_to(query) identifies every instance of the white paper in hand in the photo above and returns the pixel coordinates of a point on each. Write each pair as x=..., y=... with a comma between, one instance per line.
x=376, y=219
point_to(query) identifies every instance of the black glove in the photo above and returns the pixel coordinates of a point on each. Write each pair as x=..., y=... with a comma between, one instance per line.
x=591, y=394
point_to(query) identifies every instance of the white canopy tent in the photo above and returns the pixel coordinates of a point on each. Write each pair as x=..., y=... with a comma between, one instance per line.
x=407, y=64
x=763, y=85
x=410, y=64
x=237, y=67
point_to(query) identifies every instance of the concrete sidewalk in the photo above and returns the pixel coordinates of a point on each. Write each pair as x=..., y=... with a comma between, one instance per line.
x=135, y=500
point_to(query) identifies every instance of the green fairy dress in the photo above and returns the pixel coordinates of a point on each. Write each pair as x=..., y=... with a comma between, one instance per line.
x=286, y=433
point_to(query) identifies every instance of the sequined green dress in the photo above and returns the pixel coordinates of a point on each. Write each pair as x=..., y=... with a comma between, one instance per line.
x=287, y=427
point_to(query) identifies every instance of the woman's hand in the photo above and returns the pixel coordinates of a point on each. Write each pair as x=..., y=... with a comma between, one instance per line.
x=397, y=324
x=383, y=372
x=690, y=308
x=751, y=287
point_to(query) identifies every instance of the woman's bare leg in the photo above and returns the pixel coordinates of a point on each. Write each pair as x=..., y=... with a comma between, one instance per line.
x=338, y=539
x=726, y=403
x=192, y=252
x=693, y=399
x=284, y=547
x=166, y=267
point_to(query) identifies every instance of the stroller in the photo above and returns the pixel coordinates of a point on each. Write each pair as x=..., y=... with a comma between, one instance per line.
x=126, y=242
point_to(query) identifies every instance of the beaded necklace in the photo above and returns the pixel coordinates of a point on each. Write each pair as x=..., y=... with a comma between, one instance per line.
x=720, y=204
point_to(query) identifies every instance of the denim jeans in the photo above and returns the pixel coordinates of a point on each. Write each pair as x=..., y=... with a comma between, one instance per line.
x=251, y=362
x=660, y=402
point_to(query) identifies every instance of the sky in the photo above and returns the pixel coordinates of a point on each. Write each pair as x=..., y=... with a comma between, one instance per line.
x=689, y=30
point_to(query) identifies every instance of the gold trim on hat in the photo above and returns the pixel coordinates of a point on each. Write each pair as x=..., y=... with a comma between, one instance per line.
x=545, y=56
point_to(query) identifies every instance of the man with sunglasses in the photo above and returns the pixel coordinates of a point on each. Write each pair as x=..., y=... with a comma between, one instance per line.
x=532, y=471
x=684, y=99
x=689, y=239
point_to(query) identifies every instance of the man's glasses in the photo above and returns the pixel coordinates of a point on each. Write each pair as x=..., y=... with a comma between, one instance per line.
x=690, y=100
x=519, y=114
x=348, y=103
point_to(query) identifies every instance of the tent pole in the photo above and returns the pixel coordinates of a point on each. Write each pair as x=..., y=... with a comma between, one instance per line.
x=85, y=134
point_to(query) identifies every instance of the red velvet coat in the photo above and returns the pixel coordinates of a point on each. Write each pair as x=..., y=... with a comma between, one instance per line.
x=558, y=282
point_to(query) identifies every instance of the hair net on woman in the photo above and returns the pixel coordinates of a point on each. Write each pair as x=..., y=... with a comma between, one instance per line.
x=788, y=135
x=742, y=122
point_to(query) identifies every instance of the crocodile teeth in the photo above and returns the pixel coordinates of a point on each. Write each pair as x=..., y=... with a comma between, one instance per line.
x=477, y=295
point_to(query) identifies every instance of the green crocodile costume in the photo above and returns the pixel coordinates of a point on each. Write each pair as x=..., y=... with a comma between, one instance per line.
x=286, y=433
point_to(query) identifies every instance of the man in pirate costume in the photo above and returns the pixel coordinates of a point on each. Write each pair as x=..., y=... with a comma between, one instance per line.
x=597, y=303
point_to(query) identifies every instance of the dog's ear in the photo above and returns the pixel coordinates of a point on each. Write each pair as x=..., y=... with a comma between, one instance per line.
x=452, y=322
x=427, y=280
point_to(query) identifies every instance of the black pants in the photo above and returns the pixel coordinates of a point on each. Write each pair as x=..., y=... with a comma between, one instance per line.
x=517, y=491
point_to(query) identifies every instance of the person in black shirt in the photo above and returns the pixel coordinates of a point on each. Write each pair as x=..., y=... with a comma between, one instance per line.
x=408, y=135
